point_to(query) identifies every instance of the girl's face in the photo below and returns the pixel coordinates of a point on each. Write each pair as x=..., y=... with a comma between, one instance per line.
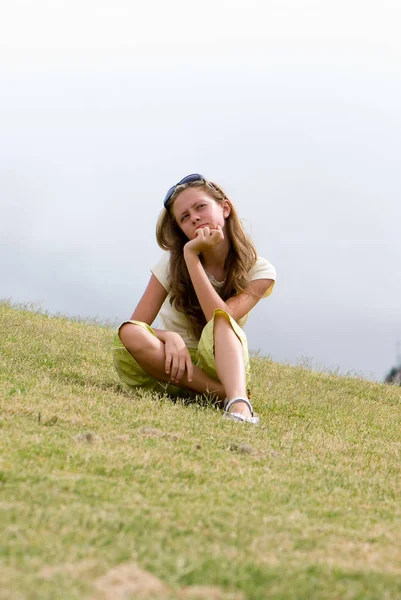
x=194, y=208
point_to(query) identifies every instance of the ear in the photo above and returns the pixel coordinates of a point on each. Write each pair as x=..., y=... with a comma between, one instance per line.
x=226, y=208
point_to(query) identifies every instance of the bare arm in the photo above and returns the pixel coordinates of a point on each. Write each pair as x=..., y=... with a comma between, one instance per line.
x=236, y=306
x=240, y=305
x=177, y=357
x=208, y=298
x=151, y=302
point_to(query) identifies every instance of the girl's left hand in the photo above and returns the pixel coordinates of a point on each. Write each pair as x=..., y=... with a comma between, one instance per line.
x=206, y=239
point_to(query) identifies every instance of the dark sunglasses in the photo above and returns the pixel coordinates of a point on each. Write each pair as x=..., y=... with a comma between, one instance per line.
x=188, y=179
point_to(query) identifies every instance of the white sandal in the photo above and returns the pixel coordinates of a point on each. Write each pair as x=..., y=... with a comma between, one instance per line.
x=239, y=416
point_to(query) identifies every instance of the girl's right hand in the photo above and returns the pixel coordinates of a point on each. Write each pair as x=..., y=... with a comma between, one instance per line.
x=178, y=359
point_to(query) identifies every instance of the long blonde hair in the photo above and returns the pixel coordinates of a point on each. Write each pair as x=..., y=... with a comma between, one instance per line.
x=240, y=259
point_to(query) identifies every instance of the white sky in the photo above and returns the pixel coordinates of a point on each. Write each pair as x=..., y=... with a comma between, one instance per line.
x=294, y=107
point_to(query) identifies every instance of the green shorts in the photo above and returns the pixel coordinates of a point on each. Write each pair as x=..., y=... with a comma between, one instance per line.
x=132, y=376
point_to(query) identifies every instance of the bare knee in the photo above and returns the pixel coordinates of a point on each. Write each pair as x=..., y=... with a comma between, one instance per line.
x=134, y=337
x=223, y=331
x=221, y=325
x=220, y=320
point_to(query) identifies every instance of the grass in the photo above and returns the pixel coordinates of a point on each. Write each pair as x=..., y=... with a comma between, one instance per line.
x=109, y=495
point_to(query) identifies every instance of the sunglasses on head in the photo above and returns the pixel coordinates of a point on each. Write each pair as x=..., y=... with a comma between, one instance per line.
x=188, y=179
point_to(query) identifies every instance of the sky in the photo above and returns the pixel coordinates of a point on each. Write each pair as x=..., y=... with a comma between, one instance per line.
x=294, y=108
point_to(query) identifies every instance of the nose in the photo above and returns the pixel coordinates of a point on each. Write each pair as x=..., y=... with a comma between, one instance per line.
x=195, y=218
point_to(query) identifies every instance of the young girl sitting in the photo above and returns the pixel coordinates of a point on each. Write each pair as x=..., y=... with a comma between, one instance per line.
x=204, y=286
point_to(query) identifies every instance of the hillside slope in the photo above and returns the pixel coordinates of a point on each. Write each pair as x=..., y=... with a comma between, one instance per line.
x=108, y=495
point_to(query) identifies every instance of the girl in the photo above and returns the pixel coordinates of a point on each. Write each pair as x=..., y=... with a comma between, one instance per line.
x=203, y=288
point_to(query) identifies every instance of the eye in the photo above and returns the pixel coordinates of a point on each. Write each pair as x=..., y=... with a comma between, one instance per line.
x=201, y=205
x=183, y=218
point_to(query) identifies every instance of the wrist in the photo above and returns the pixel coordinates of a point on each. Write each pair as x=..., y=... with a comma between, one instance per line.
x=167, y=334
x=159, y=334
x=190, y=253
x=162, y=334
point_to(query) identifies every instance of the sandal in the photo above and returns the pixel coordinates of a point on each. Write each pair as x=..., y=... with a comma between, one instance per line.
x=238, y=416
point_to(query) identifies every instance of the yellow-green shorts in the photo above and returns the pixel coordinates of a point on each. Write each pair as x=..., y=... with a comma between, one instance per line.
x=132, y=376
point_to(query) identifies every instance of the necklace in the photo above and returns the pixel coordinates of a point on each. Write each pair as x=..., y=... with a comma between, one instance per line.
x=213, y=280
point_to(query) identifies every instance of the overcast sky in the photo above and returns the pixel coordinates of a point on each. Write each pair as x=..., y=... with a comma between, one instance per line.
x=293, y=107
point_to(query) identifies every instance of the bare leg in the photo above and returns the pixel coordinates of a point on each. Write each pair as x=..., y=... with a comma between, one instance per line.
x=230, y=365
x=148, y=350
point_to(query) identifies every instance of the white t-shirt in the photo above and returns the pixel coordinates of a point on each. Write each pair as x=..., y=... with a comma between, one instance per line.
x=173, y=320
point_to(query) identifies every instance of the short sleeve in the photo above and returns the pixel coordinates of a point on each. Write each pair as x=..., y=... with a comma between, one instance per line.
x=161, y=271
x=263, y=269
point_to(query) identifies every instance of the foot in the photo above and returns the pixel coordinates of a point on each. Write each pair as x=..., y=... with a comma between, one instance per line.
x=242, y=408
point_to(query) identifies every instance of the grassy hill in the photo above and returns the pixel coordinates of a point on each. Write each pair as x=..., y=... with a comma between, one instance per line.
x=106, y=495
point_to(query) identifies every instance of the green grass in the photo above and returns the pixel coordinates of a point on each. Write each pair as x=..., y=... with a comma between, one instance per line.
x=109, y=495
